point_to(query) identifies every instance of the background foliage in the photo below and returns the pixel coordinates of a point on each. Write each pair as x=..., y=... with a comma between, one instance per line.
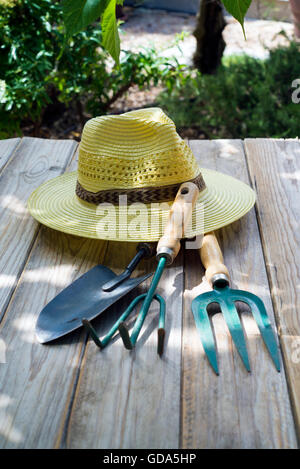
x=78, y=14
x=248, y=97
x=38, y=67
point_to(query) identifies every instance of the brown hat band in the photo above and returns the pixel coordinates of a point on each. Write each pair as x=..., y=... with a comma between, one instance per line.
x=144, y=195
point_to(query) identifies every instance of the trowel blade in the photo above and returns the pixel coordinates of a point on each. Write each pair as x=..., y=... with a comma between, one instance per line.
x=84, y=298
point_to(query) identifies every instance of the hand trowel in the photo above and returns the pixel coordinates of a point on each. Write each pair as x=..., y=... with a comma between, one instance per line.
x=88, y=296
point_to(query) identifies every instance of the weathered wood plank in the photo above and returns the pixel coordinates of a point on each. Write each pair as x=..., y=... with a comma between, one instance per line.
x=119, y=385
x=34, y=161
x=38, y=381
x=132, y=399
x=274, y=167
x=236, y=409
x=7, y=148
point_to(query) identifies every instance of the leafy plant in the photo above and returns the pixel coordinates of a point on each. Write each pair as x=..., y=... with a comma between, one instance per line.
x=27, y=54
x=238, y=9
x=38, y=68
x=78, y=14
x=89, y=79
x=248, y=97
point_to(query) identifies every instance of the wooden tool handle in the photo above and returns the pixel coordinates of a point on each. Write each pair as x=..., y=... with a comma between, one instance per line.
x=212, y=259
x=179, y=218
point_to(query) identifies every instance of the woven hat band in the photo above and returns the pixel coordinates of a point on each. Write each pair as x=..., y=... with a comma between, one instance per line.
x=144, y=195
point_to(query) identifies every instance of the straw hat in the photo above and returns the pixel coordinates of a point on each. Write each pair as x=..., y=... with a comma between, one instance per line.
x=129, y=170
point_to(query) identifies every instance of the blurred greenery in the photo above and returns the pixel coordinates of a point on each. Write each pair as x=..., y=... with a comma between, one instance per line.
x=39, y=67
x=78, y=14
x=248, y=97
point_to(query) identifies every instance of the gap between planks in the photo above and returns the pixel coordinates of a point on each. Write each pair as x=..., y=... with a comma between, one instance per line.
x=131, y=399
x=74, y=387
x=234, y=410
x=12, y=160
x=61, y=441
x=278, y=218
x=8, y=149
x=15, y=300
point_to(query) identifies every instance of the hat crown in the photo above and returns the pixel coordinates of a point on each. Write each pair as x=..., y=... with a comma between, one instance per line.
x=136, y=149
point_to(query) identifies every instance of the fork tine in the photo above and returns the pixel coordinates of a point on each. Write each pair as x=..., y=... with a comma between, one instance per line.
x=233, y=322
x=206, y=334
x=265, y=327
x=89, y=328
x=161, y=324
x=125, y=336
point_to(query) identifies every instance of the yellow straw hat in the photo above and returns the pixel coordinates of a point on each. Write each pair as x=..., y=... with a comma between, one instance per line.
x=129, y=170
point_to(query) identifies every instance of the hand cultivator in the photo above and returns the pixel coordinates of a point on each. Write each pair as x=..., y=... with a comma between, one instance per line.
x=89, y=296
x=218, y=276
x=161, y=325
x=167, y=249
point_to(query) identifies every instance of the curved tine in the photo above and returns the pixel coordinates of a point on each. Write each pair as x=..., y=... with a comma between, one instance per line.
x=102, y=343
x=161, y=324
x=125, y=336
x=233, y=322
x=146, y=303
x=90, y=330
x=123, y=330
x=263, y=322
x=162, y=310
x=205, y=330
x=160, y=341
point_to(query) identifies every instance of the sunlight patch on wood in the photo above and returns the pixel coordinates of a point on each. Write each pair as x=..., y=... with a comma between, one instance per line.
x=7, y=280
x=7, y=429
x=12, y=203
x=59, y=276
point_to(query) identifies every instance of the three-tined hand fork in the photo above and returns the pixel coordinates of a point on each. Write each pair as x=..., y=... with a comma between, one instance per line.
x=218, y=276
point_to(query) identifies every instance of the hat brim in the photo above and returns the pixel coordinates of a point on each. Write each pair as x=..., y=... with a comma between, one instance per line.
x=56, y=205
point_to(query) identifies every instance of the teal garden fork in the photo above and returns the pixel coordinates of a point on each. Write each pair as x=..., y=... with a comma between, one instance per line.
x=218, y=276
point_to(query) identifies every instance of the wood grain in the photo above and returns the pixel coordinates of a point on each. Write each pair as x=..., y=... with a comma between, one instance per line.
x=37, y=382
x=34, y=161
x=132, y=399
x=70, y=394
x=278, y=208
x=7, y=149
x=236, y=409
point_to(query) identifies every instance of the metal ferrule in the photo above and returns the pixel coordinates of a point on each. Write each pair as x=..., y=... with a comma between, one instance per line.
x=167, y=253
x=220, y=280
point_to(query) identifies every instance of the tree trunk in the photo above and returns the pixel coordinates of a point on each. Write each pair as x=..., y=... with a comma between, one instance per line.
x=295, y=7
x=208, y=34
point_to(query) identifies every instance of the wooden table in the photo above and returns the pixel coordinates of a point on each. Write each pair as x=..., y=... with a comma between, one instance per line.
x=69, y=394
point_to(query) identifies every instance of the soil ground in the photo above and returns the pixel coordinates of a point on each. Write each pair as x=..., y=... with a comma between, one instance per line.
x=144, y=27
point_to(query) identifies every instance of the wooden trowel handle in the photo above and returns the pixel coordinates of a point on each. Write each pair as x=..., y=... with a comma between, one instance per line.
x=179, y=218
x=212, y=259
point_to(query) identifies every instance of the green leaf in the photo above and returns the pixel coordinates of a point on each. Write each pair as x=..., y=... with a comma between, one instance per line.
x=78, y=14
x=110, y=35
x=238, y=9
